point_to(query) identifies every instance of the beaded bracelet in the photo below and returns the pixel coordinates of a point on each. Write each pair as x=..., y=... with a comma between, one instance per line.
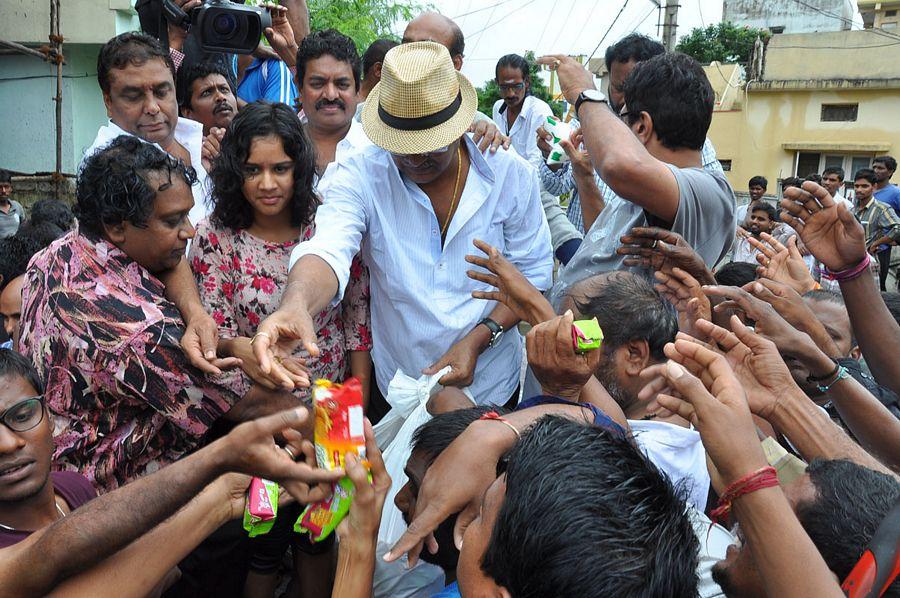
x=839, y=375
x=765, y=477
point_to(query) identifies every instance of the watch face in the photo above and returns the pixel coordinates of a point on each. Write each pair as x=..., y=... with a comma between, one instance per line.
x=595, y=95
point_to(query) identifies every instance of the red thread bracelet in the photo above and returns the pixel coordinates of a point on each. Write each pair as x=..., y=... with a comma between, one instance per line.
x=493, y=415
x=854, y=272
x=765, y=477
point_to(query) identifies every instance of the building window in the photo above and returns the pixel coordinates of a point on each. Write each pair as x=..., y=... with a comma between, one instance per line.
x=807, y=163
x=776, y=30
x=890, y=13
x=726, y=165
x=839, y=112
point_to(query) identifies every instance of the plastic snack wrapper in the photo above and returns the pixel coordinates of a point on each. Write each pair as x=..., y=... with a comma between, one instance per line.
x=261, y=507
x=586, y=335
x=559, y=130
x=338, y=431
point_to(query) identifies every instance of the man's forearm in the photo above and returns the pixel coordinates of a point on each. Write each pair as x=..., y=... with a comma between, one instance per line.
x=875, y=329
x=591, y=199
x=312, y=284
x=298, y=17
x=259, y=402
x=137, y=569
x=779, y=543
x=815, y=435
x=105, y=525
x=355, y=569
x=181, y=289
x=876, y=428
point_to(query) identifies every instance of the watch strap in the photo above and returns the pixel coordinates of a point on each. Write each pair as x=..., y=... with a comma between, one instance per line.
x=495, y=328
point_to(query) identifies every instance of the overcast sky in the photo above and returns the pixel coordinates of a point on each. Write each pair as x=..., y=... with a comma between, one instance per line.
x=569, y=26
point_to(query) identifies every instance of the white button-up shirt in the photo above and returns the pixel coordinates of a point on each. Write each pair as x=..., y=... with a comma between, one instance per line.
x=355, y=140
x=523, y=132
x=421, y=297
x=189, y=134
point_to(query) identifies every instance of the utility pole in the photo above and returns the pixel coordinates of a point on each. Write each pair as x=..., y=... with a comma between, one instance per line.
x=670, y=24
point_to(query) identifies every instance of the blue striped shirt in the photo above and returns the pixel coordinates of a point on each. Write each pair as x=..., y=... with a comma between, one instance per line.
x=421, y=296
x=267, y=80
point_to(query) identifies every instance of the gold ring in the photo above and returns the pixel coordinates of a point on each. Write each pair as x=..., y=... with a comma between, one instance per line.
x=259, y=334
x=288, y=450
x=556, y=63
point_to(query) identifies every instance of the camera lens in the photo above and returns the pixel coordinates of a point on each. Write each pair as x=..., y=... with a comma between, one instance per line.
x=224, y=24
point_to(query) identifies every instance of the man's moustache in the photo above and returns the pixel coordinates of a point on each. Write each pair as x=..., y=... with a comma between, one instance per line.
x=322, y=103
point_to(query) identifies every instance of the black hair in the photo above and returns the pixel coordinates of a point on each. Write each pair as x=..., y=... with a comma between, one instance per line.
x=790, y=181
x=459, y=41
x=635, y=47
x=834, y=170
x=736, y=274
x=825, y=295
x=53, y=211
x=15, y=253
x=628, y=308
x=765, y=207
x=586, y=514
x=129, y=48
x=112, y=186
x=375, y=53
x=814, y=177
x=759, y=180
x=42, y=233
x=889, y=162
x=184, y=81
x=331, y=43
x=867, y=174
x=262, y=119
x=892, y=301
x=675, y=92
x=514, y=61
x=435, y=435
x=13, y=364
x=5, y=176
x=850, y=503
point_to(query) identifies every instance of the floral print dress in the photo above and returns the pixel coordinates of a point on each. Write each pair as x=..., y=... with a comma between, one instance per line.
x=241, y=279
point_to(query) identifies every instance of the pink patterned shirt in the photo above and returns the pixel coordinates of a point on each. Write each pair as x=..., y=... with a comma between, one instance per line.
x=124, y=399
x=242, y=277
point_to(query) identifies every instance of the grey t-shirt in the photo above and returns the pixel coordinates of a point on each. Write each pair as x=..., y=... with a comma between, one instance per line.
x=705, y=218
x=10, y=221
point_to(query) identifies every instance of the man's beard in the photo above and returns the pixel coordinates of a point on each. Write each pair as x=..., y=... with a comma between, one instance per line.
x=607, y=376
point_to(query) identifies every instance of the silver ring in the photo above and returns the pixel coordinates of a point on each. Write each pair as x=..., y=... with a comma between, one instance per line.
x=288, y=450
x=655, y=243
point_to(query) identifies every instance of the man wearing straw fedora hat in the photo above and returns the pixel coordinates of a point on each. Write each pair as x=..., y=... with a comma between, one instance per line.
x=412, y=204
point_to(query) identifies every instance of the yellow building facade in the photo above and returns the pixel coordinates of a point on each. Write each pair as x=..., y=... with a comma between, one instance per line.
x=812, y=101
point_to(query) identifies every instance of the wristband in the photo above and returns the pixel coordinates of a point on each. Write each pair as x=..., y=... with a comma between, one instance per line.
x=493, y=415
x=765, y=477
x=841, y=373
x=854, y=272
x=813, y=379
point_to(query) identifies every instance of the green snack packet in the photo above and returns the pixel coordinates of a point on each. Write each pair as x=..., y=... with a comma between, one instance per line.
x=261, y=507
x=321, y=518
x=586, y=335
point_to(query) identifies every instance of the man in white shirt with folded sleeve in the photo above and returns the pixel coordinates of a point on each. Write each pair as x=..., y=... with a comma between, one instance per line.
x=412, y=204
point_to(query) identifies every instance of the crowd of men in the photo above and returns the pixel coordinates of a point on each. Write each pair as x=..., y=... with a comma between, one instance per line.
x=245, y=225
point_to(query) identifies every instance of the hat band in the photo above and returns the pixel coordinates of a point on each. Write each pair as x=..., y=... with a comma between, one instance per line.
x=420, y=123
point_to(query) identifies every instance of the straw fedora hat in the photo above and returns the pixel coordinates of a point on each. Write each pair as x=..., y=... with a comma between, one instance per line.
x=421, y=103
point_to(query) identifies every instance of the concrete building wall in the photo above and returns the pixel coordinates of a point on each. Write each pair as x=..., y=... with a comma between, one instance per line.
x=851, y=55
x=81, y=21
x=788, y=16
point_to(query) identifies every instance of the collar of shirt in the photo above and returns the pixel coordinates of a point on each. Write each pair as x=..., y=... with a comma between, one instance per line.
x=860, y=209
x=355, y=139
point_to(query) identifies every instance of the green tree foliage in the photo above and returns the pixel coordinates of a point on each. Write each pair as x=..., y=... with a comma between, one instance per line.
x=723, y=42
x=363, y=21
x=490, y=91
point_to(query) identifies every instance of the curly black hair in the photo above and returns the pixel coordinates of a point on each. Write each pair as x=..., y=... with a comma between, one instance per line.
x=328, y=42
x=262, y=119
x=112, y=186
x=129, y=48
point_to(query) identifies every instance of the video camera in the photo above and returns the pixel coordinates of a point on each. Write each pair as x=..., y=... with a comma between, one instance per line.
x=221, y=25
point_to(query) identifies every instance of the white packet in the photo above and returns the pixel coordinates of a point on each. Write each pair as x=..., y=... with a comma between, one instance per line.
x=559, y=130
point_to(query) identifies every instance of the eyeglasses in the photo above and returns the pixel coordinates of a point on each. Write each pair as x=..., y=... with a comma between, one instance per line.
x=509, y=86
x=24, y=415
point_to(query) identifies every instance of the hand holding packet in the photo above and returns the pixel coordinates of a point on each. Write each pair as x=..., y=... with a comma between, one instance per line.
x=586, y=335
x=338, y=431
x=559, y=130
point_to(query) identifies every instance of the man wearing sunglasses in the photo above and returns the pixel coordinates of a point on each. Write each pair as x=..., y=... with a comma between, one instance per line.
x=518, y=113
x=31, y=497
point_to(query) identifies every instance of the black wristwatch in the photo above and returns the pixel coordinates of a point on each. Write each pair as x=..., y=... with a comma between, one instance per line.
x=590, y=95
x=495, y=328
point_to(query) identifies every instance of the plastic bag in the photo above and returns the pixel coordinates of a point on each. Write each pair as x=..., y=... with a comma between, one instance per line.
x=559, y=130
x=408, y=398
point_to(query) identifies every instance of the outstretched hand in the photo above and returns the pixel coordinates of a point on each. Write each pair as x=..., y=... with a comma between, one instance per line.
x=830, y=232
x=662, y=250
x=782, y=264
x=684, y=292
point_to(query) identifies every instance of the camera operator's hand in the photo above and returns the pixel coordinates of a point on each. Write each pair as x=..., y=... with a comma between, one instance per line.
x=177, y=34
x=281, y=35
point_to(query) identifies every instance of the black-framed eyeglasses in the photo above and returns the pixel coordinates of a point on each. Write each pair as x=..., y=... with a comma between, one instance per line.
x=508, y=86
x=24, y=415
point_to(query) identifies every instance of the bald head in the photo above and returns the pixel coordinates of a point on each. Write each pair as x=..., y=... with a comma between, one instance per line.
x=435, y=27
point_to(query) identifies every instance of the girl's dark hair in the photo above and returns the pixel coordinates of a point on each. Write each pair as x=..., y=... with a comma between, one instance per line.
x=262, y=119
